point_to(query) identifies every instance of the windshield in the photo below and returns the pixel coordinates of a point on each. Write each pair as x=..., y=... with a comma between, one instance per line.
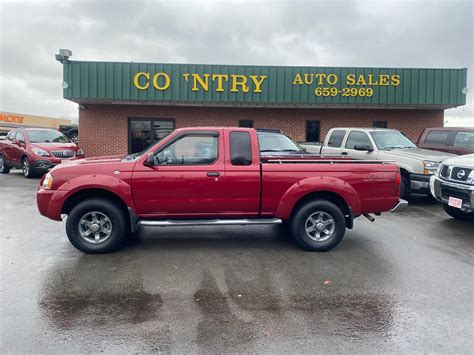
x=391, y=140
x=274, y=142
x=46, y=136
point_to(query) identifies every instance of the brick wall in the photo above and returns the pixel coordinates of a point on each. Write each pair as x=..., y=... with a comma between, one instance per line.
x=103, y=129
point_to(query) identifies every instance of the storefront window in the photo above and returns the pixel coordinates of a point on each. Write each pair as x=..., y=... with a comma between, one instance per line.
x=312, y=131
x=144, y=132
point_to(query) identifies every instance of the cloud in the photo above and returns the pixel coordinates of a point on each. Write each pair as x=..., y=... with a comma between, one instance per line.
x=324, y=33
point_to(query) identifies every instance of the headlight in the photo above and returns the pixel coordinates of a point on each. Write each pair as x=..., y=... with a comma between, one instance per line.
x=470, y=178
x=80, y=152
x=430, y=167
x=48, y=181
x=41, y=152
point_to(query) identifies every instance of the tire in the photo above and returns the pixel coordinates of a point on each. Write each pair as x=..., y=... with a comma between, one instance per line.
x=26, y=167
x=4, y=168
x=458, y=214
x=106, y=242
x=404, y=188
x=315, y=209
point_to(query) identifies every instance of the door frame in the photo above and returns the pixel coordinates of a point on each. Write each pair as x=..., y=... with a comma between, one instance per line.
x=151, y=119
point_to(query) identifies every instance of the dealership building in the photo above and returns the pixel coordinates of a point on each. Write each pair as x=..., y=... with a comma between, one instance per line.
x=124, y=107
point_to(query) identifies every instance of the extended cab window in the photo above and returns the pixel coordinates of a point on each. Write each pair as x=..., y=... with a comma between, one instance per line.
x=357, y=138
x=437, y=137
x=240, y=148
x=191, y=149
x=336, y=138
x=464, y=140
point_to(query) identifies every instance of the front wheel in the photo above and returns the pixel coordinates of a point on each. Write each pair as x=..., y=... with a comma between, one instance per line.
x=318, y=226
x=458, y=214
x=404, y=188
x=26, y=167
x=4, y=168
x=96, y=226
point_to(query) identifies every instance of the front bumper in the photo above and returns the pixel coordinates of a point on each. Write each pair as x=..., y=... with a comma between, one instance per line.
x=45, y=164
x=442, y=190
x=420, y=183
x=50, y=202
x=42, y=166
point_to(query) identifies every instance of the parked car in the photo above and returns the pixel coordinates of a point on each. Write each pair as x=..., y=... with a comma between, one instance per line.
x=36, y=150
x=176, y=183
x=70, y=131
x=275, y=142
x=453, y=185
x=416, y=165
x=455, y=140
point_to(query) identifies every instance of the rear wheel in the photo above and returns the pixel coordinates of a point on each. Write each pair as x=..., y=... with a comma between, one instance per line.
x=4, y=168
x=318, y=226
x=458, y=214
x=96, y=226
x=26, y=167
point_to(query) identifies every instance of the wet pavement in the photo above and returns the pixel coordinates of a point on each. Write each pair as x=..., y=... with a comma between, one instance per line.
x=402, y=283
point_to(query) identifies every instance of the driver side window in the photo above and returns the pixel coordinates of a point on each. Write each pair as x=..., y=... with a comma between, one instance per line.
x=190, y=150
x=357, y=138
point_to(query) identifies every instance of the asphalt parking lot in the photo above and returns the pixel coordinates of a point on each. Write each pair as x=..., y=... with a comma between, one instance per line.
x=402, y=283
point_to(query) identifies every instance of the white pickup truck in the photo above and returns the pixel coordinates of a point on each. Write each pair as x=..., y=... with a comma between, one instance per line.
x=416, y=165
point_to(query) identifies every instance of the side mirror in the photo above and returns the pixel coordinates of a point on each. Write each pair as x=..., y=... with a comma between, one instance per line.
x=150, y=160
x=304, y=150
x=16, y=141
x=363, y=147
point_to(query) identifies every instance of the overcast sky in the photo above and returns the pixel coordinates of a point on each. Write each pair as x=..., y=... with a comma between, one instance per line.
x=310, y=33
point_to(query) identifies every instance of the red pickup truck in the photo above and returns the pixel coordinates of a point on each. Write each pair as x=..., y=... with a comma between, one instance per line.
x=36, y=150
x=215, y=176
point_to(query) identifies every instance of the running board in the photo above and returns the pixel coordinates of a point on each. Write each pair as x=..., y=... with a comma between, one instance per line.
x=207, y=222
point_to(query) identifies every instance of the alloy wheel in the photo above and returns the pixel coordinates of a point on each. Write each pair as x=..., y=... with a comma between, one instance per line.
x=95, y=227
x=26, y=167
x=320, y=226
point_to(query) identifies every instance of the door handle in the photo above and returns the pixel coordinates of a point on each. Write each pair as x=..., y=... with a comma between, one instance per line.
x=213, y=174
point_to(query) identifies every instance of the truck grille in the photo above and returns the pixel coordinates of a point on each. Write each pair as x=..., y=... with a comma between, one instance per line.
x=460, y=174
x=65, y=153
x=444, y=171
x=454, y=173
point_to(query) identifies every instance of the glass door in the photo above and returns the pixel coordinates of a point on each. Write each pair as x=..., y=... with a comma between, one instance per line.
x=143, y=132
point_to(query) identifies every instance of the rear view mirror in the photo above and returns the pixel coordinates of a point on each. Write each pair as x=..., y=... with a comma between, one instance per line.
x=363, y=147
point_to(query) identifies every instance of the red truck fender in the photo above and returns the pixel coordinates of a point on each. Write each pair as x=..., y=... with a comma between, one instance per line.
x=317, y=184
x=117, y=187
